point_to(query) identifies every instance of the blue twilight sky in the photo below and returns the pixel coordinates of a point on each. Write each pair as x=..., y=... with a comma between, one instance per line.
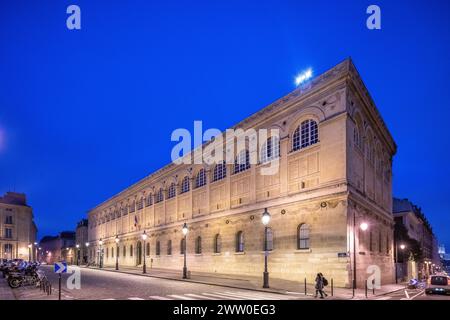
x=84, y=114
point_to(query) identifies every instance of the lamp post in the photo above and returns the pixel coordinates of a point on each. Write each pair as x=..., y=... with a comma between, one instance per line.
x=363, y=226
x=144, y=266
x=185, y=232
x=402, y=247
x=117, y=252
x=35, y=251
x=100, y=242
x=87, y=246
x=78, y=254
x=29, y=252
x=265, y=220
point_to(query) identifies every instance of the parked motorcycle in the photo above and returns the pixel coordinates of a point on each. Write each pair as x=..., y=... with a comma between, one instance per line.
x=27, y=276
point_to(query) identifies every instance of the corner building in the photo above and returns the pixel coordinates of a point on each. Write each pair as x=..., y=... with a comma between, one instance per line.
x=335, y=172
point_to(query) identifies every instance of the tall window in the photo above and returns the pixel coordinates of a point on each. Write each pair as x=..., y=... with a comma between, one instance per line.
x=158, y=248
x=131, y=250
x=242, y=161
x=182, y=246
x=220, y=171
x=147, y=249
x=169, y=247
x=172, y=191
x=107, y=253
x=118, y=252
x=270, y=149
x=140, y=203
x=185, y=186
x=159, y=196
x=149, y=200
x=8, y=248
x=387, y=244
x=269, y=240
x=112, y=252
x=8, y=233
x=124, y=251
x=198, y=245
x=379, y=243
x=217, y=243
x=303, y=236
x=8, y=220
x=200, y=180
x=240, y=242
x=305, y=135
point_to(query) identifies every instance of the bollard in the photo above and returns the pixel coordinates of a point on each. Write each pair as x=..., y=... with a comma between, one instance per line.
x=373, y=287
x=366, y=287
x=332, y=288
x=305, y=286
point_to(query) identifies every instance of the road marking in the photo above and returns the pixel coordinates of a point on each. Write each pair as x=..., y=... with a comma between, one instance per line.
x=159, y=298
x=258, y=295
x=181, y=297
x=420, y=293
x=406, y=294
x=135, y=298
x=383, y=298
x=199, y=296
x=109, y=299
x=235, y=295
x=221, y=297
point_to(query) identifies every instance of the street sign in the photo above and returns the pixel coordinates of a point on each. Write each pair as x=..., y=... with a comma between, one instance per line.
x=60, y=267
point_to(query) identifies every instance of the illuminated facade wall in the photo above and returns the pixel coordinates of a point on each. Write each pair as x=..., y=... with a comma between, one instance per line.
x=319, y=188
x=17, y=228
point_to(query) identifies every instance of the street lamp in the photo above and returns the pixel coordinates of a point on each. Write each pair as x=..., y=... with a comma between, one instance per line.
x=265, y=220
x=100, y=242
x=117, y=252
x=29, y=252
x=402, y=247
x=363, y=226
x=185, y=231
x=87, y=252
x=78, y=254
x=144, y=266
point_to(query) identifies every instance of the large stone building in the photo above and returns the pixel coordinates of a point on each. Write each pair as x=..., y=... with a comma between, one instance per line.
x=335, y=169
x=17, y=227
x=59, y=248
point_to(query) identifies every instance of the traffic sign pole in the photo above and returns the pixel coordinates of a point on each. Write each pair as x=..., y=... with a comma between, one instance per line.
x=59, y=294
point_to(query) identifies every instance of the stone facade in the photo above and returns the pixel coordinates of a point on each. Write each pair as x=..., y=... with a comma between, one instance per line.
x=81, y=238
x=322, y=191
x=17, y=227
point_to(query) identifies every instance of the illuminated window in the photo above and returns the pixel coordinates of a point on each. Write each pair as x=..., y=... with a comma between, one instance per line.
x=159, y=196
x=149, y=200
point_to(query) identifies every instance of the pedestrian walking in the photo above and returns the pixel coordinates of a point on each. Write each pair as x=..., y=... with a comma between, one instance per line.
x=319, y=286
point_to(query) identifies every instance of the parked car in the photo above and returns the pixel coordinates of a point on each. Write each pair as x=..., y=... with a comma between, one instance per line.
x=437, y=284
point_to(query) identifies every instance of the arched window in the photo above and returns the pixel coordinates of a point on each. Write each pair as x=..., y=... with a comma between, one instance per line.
x=159, y=196
x=132, y=206
x=217, y=243
x=200, y=179
x=220, y=171
x=270, y=150
x=240, y=242
x=124, y=251
x=182, y=246
x=149, y=200
x=198, y=245
x=185, y=186
x=147, y=249
x=269, y=240
x=131, y=250
x=169, y=247
x=158, y=248
x=305, y=135
x=242, y=161
x=172, y=191
x=303, y=236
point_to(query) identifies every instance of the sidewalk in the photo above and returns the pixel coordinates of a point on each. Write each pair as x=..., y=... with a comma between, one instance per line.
x=279, y=286
x=6, y=292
